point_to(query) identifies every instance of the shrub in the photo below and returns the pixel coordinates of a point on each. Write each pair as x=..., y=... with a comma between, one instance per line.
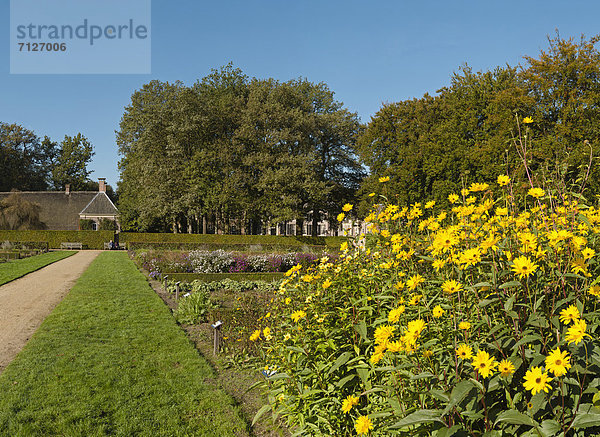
x=194, y=308
x=480, y=319
x=86, y=224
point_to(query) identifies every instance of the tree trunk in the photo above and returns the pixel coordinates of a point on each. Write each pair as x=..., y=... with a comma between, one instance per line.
x=204, y=223
x=315, y=222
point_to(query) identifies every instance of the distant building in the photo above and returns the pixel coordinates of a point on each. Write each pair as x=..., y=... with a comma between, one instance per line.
x=63, y=210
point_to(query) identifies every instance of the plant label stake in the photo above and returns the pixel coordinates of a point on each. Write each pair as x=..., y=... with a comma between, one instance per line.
x=177, y=291
x=217, y=337
x=165, y=286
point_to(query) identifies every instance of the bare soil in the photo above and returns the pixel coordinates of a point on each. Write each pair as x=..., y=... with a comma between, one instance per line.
x=25, y=302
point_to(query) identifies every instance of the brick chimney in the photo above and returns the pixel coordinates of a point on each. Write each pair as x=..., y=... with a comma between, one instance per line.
x=102, y=185
x=68, y=189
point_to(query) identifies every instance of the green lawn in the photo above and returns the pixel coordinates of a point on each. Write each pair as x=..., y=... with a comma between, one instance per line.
x=14, y=269
x=110, y=360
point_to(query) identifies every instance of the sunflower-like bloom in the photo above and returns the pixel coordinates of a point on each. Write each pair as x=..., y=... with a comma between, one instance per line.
x=451, y=286
x=569, y=315
x=576, y=332
x=464, y=352
x=438, y=312
x=347, y=207
x=363, y=425
x=506, y=368
x=536, y=192
x=297, y=315
x=523, y=266
x=414, y=281
x=503, y=180
x=394, y=314
x=348, y=403
x=484, y=363
x=558, y=362
x=536, y=380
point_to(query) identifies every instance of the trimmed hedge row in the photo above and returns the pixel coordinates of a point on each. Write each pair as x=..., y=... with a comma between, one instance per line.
x=223, y=240
x=212, y=277
x=89, y=239
x=237, y=247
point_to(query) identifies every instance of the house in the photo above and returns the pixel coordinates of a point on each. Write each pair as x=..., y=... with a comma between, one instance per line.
x=63, y=210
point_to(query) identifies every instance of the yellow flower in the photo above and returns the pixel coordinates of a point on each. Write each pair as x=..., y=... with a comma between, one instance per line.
x=297, y=315
x=427, y=353
x=588, y=253
x=536, y=380
x=453, y=198
x=464, y=352
x=363, y=425
x=394, y=314
x=464, y=326
x=451, y=286
x=569, y=315
x=326, y=284
x=438, y=312
x=484, y=364
x=475, y=187
x=371, y=194
x=414, y=281
x=341, y=216
x=501, y=211
x=430, y=204
x=384, y=179
x=267, y=333
x=415, y=327
x=383, y=333
x=523, y=266
x=415, y=299
x=528, y=120
x=536, y=192
x=576, y=332
x=558, y=362
x=503, y=180
x=506, y=368
x=288, y=300
x=594, y=290
x=255, y=335
x=347, y=207
x=348, y=403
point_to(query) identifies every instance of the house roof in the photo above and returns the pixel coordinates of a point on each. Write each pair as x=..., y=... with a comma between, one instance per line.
x=100, y=205
x=59, y=210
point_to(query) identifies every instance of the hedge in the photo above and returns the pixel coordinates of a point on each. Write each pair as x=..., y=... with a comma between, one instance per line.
x=89, y=239
x=236, y=247
x=216, y=239
x=211, y=277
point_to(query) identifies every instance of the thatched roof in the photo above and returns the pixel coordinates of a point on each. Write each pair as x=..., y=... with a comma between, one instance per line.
x=60, y=211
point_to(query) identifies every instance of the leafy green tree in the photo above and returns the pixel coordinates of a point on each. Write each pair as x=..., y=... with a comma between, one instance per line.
x=25, y=161
x=70, y=165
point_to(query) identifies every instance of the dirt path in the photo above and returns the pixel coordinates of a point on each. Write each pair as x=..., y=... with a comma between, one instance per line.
x=25, y=302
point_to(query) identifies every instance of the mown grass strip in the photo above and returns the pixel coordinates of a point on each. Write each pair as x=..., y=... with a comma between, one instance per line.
x=110, y=360
x=14, y=269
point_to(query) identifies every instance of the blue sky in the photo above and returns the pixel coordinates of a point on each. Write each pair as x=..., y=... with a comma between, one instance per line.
x=368, y=53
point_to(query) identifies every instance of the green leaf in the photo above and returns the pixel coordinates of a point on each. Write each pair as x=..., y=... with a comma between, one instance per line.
x=361, y=328
x=549, y=428
x=418, y=417
x=509, y=285
x=341, y=360
x=459, y=392
x=260, y=412
x=587, y=416
x=515, y=418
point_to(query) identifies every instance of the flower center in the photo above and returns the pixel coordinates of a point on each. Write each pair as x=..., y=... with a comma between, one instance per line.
x=558, y=362
x=538, y=380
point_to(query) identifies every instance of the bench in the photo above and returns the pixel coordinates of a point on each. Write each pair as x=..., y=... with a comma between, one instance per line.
x=71, y=246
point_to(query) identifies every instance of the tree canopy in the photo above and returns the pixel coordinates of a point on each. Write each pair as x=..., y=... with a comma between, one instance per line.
x=436, y=145
x=234, y=152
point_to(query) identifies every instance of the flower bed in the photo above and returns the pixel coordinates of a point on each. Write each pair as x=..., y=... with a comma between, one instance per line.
x=480, y=319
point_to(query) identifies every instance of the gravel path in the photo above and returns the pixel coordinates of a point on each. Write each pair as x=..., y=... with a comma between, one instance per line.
x=25, y=302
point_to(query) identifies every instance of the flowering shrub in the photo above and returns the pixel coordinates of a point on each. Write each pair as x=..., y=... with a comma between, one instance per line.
x=479, y=320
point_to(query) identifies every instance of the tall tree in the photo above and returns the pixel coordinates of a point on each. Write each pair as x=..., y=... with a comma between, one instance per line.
x=70, y=165
x=25, y=161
